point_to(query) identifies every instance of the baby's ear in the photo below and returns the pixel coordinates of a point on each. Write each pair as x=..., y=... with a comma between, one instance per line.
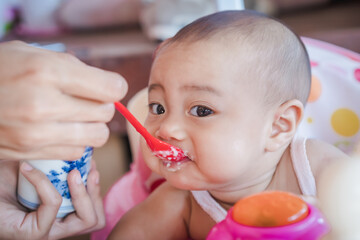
x=286, y=120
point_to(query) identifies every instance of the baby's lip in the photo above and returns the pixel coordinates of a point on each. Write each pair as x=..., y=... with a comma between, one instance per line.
x=188, y=156
x=173, y=166
x=175, y=154
x=185, y=159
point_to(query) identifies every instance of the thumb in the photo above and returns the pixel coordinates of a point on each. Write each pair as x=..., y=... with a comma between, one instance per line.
x=50, y=199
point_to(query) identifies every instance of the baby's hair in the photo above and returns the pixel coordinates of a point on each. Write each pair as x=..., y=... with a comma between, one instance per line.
x=275, y=55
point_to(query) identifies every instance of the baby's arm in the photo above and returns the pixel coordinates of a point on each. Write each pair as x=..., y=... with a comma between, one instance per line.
x=321, y=155
x=338, y=192
x=339, y=198
x=163, y=215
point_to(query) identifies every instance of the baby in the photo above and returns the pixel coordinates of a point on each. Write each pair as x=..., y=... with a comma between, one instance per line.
x=229, y=89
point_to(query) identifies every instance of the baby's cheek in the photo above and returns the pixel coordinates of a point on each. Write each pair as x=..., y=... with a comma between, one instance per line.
x=225, y=150
x=229, y=157
x=236, y=147
x=147, y=155
x=218, y=167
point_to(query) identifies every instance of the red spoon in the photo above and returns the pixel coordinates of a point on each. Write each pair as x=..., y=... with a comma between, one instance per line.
x=160, y=149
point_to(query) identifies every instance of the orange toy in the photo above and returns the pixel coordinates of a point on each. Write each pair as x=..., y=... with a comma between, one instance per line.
x=270, y=209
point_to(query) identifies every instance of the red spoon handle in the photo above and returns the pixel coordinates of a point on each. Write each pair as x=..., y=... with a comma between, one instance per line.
x=137, y=125
x=160, y=149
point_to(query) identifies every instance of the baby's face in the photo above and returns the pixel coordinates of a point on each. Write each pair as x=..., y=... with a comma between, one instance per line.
x=199, y=102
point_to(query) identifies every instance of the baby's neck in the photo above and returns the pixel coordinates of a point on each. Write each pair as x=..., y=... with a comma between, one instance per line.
x=228, y=198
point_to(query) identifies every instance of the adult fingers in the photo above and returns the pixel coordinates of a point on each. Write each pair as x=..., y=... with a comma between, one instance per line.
x=43, y=102
x=91, y=83
x=60, y=152
x=34, y=136
x=43, y=218
x=68, y=73
x=71, y=109
x=93, y=186
x=85, y=216
x=93, y=190
x=81, y=200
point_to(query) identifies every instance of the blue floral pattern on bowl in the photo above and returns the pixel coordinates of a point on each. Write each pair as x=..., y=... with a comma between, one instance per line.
x=56, y=171
x=82, y=164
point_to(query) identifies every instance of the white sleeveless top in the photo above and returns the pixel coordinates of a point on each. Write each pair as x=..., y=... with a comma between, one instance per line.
x=302, y=170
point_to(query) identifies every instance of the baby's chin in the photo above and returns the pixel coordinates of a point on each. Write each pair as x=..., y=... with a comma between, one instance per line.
x=187, y=185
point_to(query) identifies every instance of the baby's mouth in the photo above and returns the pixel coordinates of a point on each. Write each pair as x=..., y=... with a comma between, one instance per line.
x=173, y=166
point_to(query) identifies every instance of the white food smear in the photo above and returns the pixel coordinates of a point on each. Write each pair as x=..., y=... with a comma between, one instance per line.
x=176, y=153
x=170, y=155
x=170, y=160
x=172, y=166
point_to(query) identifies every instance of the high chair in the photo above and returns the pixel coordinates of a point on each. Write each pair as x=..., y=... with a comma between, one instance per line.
x=332, y=114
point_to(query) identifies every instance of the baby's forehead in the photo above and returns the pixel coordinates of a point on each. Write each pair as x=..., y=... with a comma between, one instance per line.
x=223, y=54
x=245, y=41
x=252, y=42
x=225, y=47
x=265, y=51
x=228, y=63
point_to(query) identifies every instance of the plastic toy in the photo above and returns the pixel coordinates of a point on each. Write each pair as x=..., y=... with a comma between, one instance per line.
x=271, y=215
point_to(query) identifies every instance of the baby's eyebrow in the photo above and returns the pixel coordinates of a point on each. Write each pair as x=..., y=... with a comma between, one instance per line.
x=200, y=88
x=154, y=86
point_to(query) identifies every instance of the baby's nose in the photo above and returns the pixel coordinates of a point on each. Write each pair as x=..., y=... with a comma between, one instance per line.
x=171, y=129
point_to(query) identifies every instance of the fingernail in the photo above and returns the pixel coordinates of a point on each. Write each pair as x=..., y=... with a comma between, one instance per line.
x=78, y=179
x=26, y=167
x=97, y=179
x=108, y=106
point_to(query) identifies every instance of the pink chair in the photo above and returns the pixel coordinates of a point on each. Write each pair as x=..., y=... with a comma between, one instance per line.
x=332, y=114
x=333, y=110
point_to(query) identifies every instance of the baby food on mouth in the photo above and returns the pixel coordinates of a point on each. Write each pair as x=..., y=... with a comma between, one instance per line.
x=172, y=166
x=173, y=155
x=270, y=209
x=172, y=159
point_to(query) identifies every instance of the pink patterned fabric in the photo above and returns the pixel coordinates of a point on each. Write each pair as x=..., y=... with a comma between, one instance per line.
x=332, y=113
x=128, y=191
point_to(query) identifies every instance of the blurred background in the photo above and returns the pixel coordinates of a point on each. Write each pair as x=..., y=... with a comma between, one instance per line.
x=121, y=35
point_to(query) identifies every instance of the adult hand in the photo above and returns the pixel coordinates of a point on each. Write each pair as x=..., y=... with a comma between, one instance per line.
x=17, y=223
x=51, y=104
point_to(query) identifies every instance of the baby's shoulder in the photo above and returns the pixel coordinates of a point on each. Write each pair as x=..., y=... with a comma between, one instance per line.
x=322, y=154
x=167, y=194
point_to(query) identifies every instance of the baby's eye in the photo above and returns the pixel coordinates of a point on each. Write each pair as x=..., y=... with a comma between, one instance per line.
x=200, y=111
x=156, y=108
